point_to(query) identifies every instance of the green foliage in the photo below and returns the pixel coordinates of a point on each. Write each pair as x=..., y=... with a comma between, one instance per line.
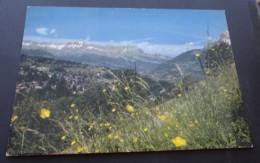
x=218, y=56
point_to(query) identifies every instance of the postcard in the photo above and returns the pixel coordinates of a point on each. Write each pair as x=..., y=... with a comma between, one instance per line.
x=107, y=80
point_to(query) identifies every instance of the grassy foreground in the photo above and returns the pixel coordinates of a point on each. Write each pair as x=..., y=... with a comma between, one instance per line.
x=208, y=114
x=127, y=116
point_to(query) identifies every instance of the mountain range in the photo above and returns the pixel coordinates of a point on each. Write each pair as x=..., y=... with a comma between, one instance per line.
x=158, y=66
x=114, y=57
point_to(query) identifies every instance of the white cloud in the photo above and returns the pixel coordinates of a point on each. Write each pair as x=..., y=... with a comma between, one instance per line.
x=42, y=31
x=45, y=31
x=52, y=31
x=47, y=39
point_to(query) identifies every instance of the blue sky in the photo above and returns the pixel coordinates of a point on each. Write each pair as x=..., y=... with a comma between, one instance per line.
x=164, y=31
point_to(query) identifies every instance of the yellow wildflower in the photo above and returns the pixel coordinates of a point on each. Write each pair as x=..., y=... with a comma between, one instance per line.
x=166, y=135
x=109, y=136
x=113, y=110
x=110, y=128
x=63, y=137
x=145, y=129
x=101, y=124
x=77, y=110
x=14, y=118
x=127, y=88
x=90, y=127
x=79, y=149
x=104, y=90
x=76, y=117
x=197, y=54
x=70, y=117
x=196, y=121
x=225, y=90
x=107, y=124
x=96, y=151
x=165, y=118
x=113, y=88
x=122, y=140
x=157, y=108
x=81, y=133
x=209, y=38
x=129, y=108
x=208, y=71
x=132, y=114
x=120, y=118
x=179, y=95
x=115, y=81
x=135, y=139
x=178, y=141
x=73, y=142
x=22, y=128
x=116, y=137
x=72, y=105
x=45, y=113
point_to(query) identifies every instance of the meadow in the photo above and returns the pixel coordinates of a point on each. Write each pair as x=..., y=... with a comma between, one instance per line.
x=127, y=117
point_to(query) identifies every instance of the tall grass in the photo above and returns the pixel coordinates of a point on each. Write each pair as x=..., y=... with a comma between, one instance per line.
x=209, y=114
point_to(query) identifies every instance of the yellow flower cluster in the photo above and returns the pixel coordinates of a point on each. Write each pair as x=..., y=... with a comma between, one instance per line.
x=63, y=137
x=116, y=137
x=179, y=142
x=165, y=118
x=79, y=149
x=135, y=139
x=73, y=142
x=129, y=108
x=45, y=113
x=113, y=110
x=90, y=127
x=14, y=118
x=127, y=88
